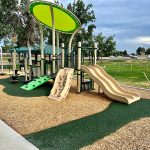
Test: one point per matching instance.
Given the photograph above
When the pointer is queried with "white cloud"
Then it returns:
(143, 40)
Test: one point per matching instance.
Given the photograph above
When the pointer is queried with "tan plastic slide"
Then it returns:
(110, 86)
(62, 84)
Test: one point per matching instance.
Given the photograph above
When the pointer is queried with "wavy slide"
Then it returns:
(109, 85)
(62, 84)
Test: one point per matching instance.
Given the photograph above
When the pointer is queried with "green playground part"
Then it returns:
(35, 83)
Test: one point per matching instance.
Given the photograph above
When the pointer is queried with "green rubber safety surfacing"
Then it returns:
(35, 83)
(82, 132)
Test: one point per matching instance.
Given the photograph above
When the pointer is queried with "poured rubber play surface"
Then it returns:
(35, 83)
(85, 131)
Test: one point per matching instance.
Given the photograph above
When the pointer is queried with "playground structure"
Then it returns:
(53, 16)
(106, 83)
(22, 53)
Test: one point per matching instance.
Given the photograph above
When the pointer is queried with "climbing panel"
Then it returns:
(62, 84)
(35, 83)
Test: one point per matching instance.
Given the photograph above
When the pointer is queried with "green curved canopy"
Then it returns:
(24, 50)
(47, 49)
(65, 21)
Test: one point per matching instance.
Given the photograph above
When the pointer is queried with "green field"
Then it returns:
(128, 72)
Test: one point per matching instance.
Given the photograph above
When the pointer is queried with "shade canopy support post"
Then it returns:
(38, 66)
(79, 69)
(53, 41)
(95, 53)
(57, 37)
(14, 61)
(70, 45)
(30, 60)
(42, 49)
(63, 55)
(26, 67)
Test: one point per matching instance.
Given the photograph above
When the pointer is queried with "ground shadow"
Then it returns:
(79, 133)
(14, 89)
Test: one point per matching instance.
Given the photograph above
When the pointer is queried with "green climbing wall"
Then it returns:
(35, 83)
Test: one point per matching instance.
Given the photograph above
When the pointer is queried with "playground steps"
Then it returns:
(35, 83)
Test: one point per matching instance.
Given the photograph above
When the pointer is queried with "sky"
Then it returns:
(128, 20)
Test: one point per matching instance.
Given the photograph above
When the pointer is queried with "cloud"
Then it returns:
(143, 40)
(127, 20)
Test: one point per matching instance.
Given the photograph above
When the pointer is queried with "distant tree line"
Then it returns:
(143, 51)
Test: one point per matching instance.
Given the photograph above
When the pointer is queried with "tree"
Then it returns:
(110, 46)
(83, 12)
(119, 53)
(133, 54)
(106, 46)
(140, 51)
(122, 53)
(86, 17)
(148, 51)
(16, 20)
(7, 21)
(125, 53)
(100, 39)
(88, 39)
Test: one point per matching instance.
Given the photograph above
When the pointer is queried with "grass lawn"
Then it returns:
(128, 72)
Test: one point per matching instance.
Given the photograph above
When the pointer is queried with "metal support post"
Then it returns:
(79, 69)
(63, 55)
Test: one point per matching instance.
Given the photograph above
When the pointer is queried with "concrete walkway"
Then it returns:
(11, 140)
